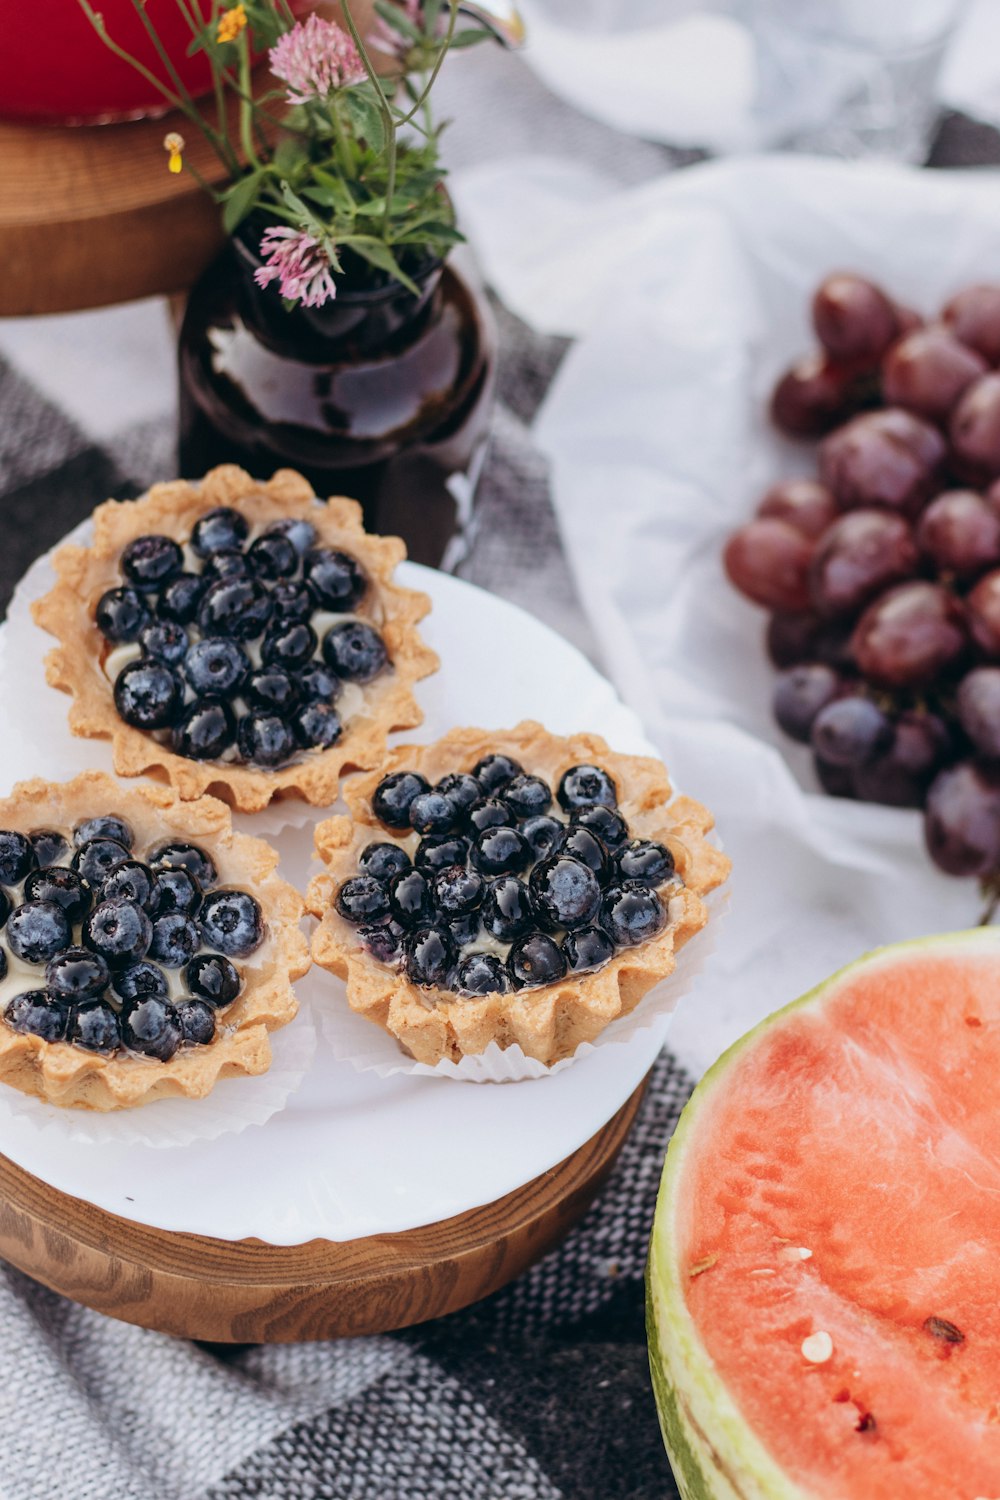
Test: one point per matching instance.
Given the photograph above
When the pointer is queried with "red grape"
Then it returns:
(768, 561)
(815, 395)
(927, 371)
(960, 534)
(792, 638)
(973, 315)
(978, 704)
(910, 636)
(974, 430)
(908, 320)
(859, 556)
(803, 503)
(854, 320)
(920, 746)
(962, 819)
(982, 607)
(850, 731)
(799, 695)
(888, 458)
(836, 781)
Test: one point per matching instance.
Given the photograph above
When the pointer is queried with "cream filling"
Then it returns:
(351, 703)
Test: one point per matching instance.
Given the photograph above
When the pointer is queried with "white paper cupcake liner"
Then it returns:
(355, 1040)
(233, 1104)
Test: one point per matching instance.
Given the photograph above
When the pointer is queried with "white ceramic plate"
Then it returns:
(352, 1154)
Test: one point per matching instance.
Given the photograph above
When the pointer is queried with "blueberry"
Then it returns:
(175, 941)
(217, 666)
(139, 980)
(151, 562)
(430, 812)
(132, 881)
(494, 772)
(36, 1013)
(121, 615)
(37, 931)
(174, 890)
(411, 900)
(507, 911)
(178, 856)
(94, 1025)
(165, 641)
(631, 914)
(63, 887)
(119, 931)
(288, 643)
(3, 964)
(232, 922)
(318, 684)
(604, 822)
(489, 813)
(587, 948)
(500, 851)
(94, 861)
(535, 960)
(544, 834)
(481, 974)
(363, 899)
(292, 601)
(300, 533)
(457, 891)
(383, 860)
(316, 726)
(224, 565)
(587, 786)
(462, 790)
(265, 739)
(234, 606)
(219, 530)
(148, 695)
(151, 1025)
(77, 974)
(106, 827)
(645, 861)
(271, 688)
(437, 851)
(205, 730)
(585, 846)
(393, 795)
(430, 954)
(464, 930)
(273, 556)
(213, 978)
(49, 845)
(17, 857)
(197, 1020)
(384, 943)
(355, 651)
(337, 579)
(5, 910)
(527, 796)
(180, 599)
(565, 892)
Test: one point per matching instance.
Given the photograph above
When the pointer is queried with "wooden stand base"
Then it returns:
(250, 1292)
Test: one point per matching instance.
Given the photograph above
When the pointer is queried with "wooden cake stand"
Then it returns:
(249, 1292)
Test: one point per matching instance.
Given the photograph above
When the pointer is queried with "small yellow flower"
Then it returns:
(231, 23)
(174, 143)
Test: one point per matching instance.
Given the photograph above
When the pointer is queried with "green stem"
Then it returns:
(442, 54)
(246, 102)
(347, 165)
(385, 110)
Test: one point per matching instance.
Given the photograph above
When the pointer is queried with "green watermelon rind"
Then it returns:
(714, 1453)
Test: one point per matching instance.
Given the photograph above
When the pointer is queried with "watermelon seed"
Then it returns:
(796, 1252)
(865, 1423)
(941, 1329)
(817, 1348)
(702, 1265)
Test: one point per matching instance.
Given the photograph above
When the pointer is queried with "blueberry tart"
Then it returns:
(241, 639)
(146, 950)
(508, 887)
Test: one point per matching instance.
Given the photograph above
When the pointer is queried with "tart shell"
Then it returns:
(551, 1022)
(75, 665)
(67, 1075)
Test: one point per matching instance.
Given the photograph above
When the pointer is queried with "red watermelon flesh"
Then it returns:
(863, 1126)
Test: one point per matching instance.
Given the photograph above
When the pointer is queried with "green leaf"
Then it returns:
(340, 196)
(239, 200)
(289, 156)
(397, 19)
(365, 116)
(377, 253)
(469, 38)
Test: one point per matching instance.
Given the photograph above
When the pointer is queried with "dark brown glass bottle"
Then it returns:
(379, 394)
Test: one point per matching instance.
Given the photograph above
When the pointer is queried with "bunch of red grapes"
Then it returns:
(883, 574)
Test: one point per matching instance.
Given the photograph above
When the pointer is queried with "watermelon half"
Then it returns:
(824, 1276)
